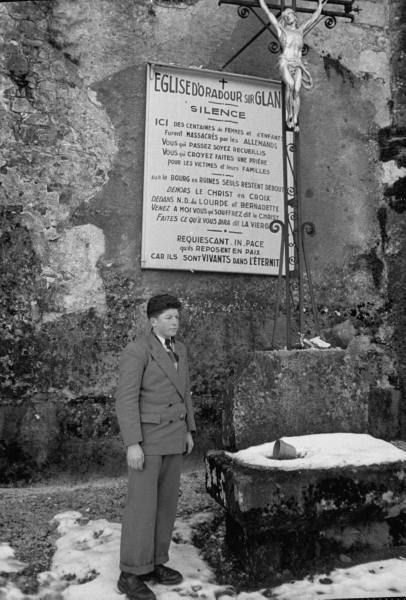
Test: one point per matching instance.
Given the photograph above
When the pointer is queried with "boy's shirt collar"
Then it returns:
(162, 340)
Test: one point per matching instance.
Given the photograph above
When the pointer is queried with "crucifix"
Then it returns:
(294, 73)
(289, 36)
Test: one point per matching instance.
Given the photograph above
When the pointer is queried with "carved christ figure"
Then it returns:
(294, 72)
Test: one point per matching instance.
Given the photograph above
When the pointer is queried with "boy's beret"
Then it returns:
(158, 304)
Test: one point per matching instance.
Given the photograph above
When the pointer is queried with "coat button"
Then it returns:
(171, 421)
(181, 417)
(169, 405)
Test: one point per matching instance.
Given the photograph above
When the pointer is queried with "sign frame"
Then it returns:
(218, 249)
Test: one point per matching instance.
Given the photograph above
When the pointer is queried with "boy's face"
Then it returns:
(167, 323)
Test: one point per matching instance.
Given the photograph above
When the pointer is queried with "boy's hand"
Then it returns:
(135, 457)
(189, 442)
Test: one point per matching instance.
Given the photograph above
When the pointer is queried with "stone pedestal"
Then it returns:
(280, 518)
(299, 392)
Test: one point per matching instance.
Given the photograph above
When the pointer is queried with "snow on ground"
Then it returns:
(323, 451)
(85, 567)
(375, 579)
(8, 563)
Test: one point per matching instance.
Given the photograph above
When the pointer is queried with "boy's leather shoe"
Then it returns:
(165, 575)
(134, 588)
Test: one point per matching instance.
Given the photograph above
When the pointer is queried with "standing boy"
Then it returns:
(155, 415)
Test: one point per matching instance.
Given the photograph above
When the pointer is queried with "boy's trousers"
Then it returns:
(150, 512)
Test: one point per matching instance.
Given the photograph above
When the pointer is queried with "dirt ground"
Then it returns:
(26, 514)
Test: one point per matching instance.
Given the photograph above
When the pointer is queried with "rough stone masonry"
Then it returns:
(72, 112)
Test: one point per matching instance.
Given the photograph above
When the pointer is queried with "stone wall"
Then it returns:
(72, 105)
(392, 141)
(298, 392)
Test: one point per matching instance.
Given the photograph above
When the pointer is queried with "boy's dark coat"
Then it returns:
(153, 401)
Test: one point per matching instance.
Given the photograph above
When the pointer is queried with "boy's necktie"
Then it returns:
(173, 356)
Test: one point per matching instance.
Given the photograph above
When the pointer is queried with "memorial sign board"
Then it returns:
(213, 179)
